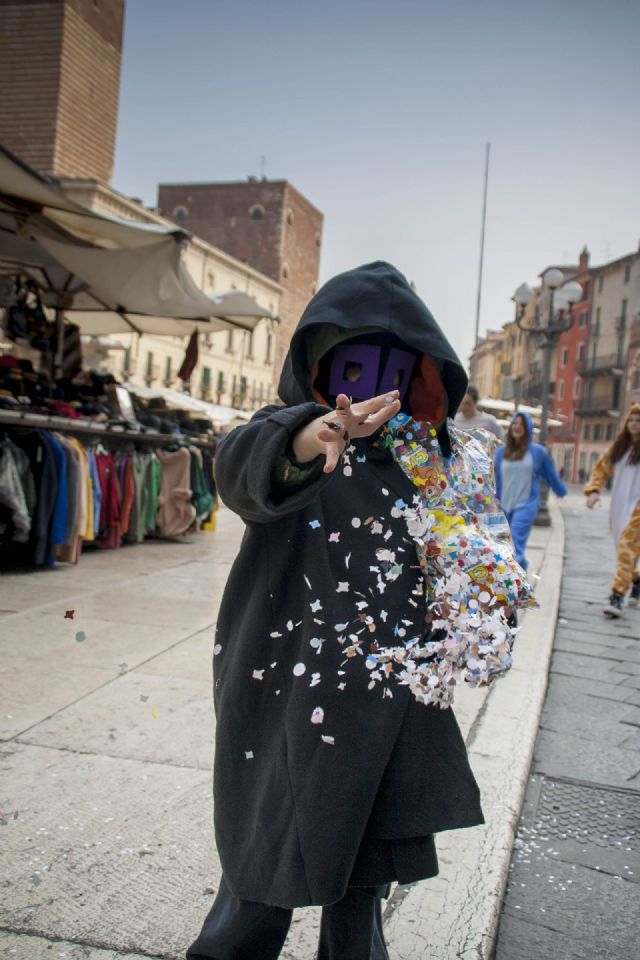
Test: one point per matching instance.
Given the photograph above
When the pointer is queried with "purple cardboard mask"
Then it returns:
(399, 367)
(354, 370)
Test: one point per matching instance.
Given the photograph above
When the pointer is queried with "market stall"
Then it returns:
(79, 465)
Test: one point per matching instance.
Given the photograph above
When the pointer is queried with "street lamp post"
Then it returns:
(548, 335)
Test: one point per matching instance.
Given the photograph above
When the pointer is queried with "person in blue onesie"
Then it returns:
(520, 466)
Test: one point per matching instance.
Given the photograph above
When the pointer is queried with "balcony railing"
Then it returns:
(611, 364)
(600, 403)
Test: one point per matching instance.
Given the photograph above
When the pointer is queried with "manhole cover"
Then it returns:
(604, 817)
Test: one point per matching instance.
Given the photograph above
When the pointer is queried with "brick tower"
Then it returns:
(59, 84)
(267, 224)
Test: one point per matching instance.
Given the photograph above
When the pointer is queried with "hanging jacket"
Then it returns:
(17, 493)
(176, 513)
(309, 761)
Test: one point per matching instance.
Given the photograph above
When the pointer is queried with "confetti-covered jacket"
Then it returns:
(309, 760)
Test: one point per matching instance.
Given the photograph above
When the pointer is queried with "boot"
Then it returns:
(614, 608)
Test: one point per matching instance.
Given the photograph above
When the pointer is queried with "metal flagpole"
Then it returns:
(484, 217)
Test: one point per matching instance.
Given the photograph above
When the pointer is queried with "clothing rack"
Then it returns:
(38, 421)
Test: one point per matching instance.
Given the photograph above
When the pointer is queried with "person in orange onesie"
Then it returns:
(622, 462)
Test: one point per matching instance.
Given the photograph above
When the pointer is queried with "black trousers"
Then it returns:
(350, 929)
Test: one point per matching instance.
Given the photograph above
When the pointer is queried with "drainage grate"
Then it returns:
(588, 815)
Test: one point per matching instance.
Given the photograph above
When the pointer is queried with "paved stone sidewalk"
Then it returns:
(573, 891)
(107, 726)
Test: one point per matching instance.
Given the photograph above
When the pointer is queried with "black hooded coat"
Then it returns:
(311, 763)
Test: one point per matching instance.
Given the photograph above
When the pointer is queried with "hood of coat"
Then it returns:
(528, 423)
(375, 299)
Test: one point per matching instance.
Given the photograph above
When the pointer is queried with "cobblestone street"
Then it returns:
(573, 886)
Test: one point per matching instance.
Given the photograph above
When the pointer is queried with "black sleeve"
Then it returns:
(250, 457)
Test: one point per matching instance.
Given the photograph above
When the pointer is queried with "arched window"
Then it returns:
(256, 212)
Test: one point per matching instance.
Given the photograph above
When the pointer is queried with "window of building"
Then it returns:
(250, 344)
(318, 241)
(581, 350)
(205, 383)
(597, 431)
(582, 318)
(627, 273)
(167, 372)
(234, 391)
(611, 431)
(149, 368)
(285, 270)
(256, 212)
(243, 388)
(229, 347)
(576, 388)
(585, 289)
(600, 283)
(269, 347)
(587, 431)
(220, 386)
(560, 389)
(126, 361)
(211, 280)
(180, 214)
(635, 379)
(289, 217)
(565, 356)
(623, 314)
(596, 326)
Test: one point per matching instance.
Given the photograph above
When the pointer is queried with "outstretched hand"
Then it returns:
(331, 434)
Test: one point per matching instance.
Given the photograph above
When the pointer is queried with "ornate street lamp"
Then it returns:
(548, 336)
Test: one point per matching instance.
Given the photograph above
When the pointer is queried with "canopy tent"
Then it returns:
(508, 406)
(183, 401)
(107, 275)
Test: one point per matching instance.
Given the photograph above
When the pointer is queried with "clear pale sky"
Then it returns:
(379, 112)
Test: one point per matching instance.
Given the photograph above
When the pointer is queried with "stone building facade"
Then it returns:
(267, 224)
(60, 83)
(616, 303)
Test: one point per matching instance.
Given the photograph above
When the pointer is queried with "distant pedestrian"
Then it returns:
(520, 466)
(470, 417)
(621, 463)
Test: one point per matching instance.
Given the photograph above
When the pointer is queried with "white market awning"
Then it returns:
(86, 263)
(183, 401)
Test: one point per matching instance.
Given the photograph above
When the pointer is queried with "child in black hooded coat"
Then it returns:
(326, 792)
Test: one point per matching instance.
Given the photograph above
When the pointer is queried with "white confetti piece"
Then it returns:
(356, 522)
(315, 679)
(248, 754)
(327, 739)
(217, 649)
(343, 586)
(318, 715)
(258, 674)
(299, 669)
(315, 606)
